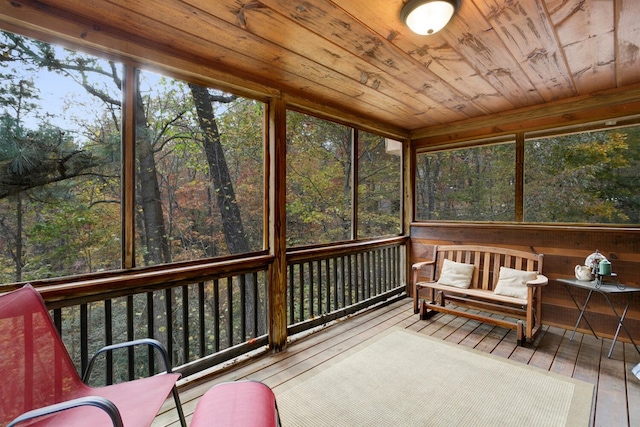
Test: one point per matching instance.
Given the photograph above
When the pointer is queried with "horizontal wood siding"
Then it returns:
(563, 249)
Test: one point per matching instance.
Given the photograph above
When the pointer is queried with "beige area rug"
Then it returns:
(403, 378)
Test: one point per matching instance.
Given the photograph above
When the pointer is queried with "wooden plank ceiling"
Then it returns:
(495, 56)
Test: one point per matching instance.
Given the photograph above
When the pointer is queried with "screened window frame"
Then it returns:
(354, 178)
(520, 139)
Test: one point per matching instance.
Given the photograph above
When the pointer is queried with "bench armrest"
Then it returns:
(541, 280)
(418, 265)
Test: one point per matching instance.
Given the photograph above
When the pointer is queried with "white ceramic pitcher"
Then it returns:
(583, 272)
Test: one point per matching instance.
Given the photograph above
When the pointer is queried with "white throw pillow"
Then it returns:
(456, 274)
(513, 283)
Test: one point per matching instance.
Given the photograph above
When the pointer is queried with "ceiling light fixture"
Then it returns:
(426, 17)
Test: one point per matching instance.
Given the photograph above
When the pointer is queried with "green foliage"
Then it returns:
(473, 184)
(59, 196)
(586, 177)
(68, 225)
(242, 136)
(379, 188)
(63, 208)
(318, 180)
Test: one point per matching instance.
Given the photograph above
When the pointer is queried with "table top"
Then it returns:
(605, 287)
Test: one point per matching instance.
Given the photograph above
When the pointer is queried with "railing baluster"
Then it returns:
(353, 278)
(57, 320)
(362, 272)
(216, 314)
(311, 290)
(302, 294)
(230, 312)
(320, 286)
(185, 324)
(150, 331)
(202, 330)
(327, 269)
(108, 337)
(84, 337)
(379, 270)
(385, 256)
(372, 273)
(168, 304)
(336, 305)
(392, 268)
(367, 273)
(243, 307)
(131, 367)
(57, 362)
(256, 305)
(342, 283)
(349, 280)
(291, 294)
(358, 268)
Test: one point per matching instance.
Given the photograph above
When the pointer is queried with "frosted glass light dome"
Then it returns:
(427, 17)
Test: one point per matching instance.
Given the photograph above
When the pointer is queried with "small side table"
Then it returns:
(604, 289)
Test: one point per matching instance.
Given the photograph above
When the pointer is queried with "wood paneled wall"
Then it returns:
(563, 248)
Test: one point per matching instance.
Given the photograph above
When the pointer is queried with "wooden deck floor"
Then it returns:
(617, 400)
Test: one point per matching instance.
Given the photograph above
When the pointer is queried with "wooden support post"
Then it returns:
(276, 208)
(128, 137)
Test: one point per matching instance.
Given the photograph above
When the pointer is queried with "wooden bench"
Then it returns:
(512, 311)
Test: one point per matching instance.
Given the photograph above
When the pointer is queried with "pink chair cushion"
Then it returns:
(241, 403)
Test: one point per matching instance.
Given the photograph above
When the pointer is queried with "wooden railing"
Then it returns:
(327, 283)
(204, 313)
(207, 313)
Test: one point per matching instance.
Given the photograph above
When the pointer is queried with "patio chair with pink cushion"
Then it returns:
(41, 386)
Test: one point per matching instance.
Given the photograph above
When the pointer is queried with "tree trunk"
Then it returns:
(219, 173)
(158, 251)
(223, 188)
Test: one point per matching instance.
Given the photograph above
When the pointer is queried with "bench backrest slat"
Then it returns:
(487, 260)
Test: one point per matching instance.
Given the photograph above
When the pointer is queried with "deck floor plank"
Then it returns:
(632, 358)
(564, 361)
(611, 402)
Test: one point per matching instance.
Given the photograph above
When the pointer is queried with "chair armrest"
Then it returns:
(419, 265)
(97, 401)
(144, 341)
(538, 281)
